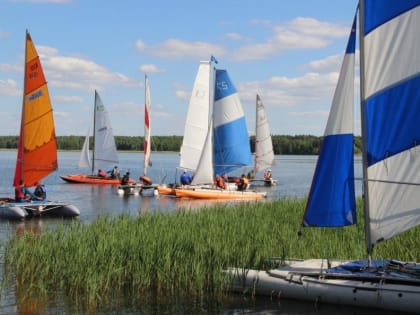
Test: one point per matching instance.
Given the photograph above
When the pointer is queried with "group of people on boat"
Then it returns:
(23, 194)
(112, 174)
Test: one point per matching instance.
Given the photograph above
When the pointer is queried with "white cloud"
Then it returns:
(300, 33)
(9, 87)
(177, 48)
(77, 72)
(149, 68)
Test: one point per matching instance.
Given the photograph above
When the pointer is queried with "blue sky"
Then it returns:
(287, 51)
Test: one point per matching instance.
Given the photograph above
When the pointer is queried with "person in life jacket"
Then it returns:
(243, 183)
(101, 173)
(219, 182)
(125, 179)
(40, 192)
(22, 194)
(145, 180)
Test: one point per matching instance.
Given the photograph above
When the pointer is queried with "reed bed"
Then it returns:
(180, 253)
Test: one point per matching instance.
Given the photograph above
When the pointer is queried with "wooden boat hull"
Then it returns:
(202, 193)
(91, 179)
(22, 210)
(305, 280)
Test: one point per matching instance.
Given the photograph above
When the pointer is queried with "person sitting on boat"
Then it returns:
(101, 173)
(125, 179)
(268, 175)
(251, 174)
(22, 194)
(186, 178)
(220, 182)
(114, 173)
(243, 183)
(40, 192)
(145, 180)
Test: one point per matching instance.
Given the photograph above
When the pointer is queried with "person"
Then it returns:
(40, 192)
(267, 175)
(125, 179)
(243, 183)
(186, 178)
(145, 180)
(251, 174)
(115, 172)
(101, 173)
(220, 182)
(22, 194)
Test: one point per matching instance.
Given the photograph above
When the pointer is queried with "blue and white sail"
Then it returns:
(331, 202)
(230, 135)
(390, 109)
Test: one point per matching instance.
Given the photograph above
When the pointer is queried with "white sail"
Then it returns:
(390, 78)
(84, 160)
(197, 122)
(264, 154)
(204, 173)
(105, 150)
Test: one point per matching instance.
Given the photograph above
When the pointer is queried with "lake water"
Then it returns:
(294, 175)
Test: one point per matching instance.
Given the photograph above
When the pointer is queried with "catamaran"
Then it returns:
(37, 146)
(390, 112)
(264, 153)
(226, 144)
(145, 181)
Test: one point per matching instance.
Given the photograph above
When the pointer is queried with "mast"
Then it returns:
(365, 182)
(22, 130)
(256, 128)
(94, 132)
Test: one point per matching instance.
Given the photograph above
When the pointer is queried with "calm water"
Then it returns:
(294, 175)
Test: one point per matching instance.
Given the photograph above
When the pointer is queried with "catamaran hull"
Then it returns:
(91, 179)
(137, 189)
(202, 193)
(22, 210)
(304, 281)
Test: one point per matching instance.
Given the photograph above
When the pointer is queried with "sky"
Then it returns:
(288, 52)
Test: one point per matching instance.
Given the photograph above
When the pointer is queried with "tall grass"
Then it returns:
(181, 253)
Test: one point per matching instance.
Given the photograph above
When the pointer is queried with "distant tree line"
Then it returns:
(282, 144)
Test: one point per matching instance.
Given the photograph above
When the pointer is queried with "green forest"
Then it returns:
(282, 144)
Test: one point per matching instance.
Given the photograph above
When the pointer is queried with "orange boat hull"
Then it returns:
(167, 191)
(218, 194)
(92, 179)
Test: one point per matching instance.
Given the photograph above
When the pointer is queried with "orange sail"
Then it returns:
(37, 146)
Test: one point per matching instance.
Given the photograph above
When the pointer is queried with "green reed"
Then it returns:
(180, 253)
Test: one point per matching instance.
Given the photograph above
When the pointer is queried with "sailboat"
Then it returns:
(104, 150)
(145, 181)
(264, 154)
(390, 112)
(37, 146)
(196, 125)
(226, 146)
